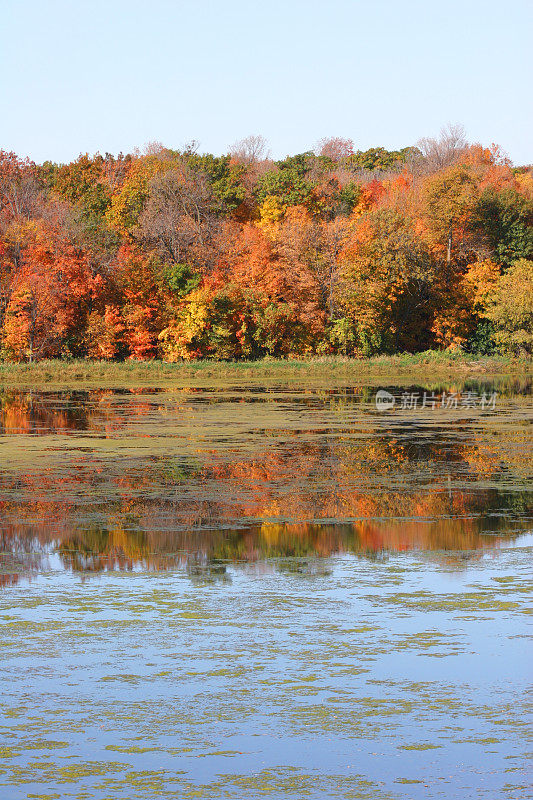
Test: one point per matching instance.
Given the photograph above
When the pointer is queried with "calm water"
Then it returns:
(263, 592)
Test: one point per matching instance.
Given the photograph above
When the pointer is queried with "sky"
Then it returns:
(92, 76)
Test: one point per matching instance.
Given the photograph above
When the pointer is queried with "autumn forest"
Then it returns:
(174, 254)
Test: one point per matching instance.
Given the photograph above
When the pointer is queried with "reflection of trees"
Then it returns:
(98, 550)
(380, 482)
(206, 554)
(23, 411)
(20, 555)
(384, 476)
(29, 412)
(60, 412)
(226, 496)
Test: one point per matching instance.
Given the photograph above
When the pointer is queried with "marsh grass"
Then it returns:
(74, 373)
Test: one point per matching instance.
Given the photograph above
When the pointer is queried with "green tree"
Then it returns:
(506, 217)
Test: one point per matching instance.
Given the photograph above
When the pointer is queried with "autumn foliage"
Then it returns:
(176, 255)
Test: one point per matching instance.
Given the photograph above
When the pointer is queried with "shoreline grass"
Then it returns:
(322, 369)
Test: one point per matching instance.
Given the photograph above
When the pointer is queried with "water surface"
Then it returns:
(265, 593)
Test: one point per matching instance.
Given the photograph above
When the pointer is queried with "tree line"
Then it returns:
(176, 254)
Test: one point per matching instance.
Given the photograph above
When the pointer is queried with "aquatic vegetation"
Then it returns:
(323, 371)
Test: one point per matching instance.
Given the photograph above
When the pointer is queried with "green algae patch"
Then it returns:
(422, 746)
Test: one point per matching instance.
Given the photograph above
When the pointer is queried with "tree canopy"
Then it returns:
(178, 255)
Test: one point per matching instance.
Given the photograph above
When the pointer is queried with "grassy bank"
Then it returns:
(330, 369)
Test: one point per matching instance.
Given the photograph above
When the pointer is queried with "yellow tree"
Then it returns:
(510, 308)
(386, 282)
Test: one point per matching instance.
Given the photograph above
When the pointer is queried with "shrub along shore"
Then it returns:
(404, 368)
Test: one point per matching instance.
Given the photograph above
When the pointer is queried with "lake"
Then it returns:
(252, 591)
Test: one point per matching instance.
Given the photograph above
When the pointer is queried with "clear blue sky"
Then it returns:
(88, 75)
